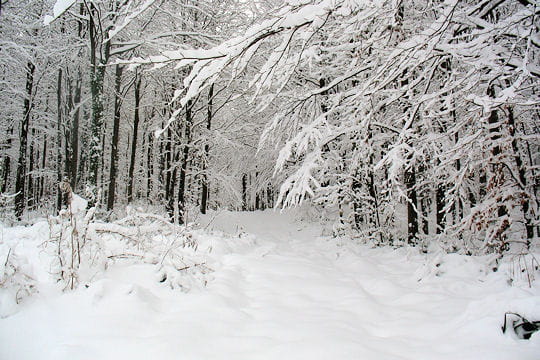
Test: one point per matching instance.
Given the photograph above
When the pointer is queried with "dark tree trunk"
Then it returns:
(457, 207)
(270, 196)
(439, 208)
(410, 174)
(43, 163)
(31, 155)
(59, 195)
(257, 201)
(172, 183)
(74, 147)
(168, 162)
(73, 159)
(20, 197)
(355, 189)
(244, 192)
(134, 138)
(424, 203)
(6, 163)
(149, 165)
(204, 181)
(495, 130)
(183, 166)
(95, 155)
(412, 203)
(529, 227)
(372, 188)
(425, 214)
(115, 136)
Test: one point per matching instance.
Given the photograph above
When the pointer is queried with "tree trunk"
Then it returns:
(20, 197)
(495, 130)
(529, 228)
(115, 136)
(96, 90)
(439, 208)
(74, 148)
(424, 203)
(244, 192)
(72, 171)
(412, 203)
(270, 196)
(535, 183)
(59, 195)
(356, 187)
(204, 191)
(134, 138)
(6, 163)
(43, 163)
(457, 207)
(172, 184)
(149, 165)
(31, 155)
(425, 213)
(168, 161)
(183, 168)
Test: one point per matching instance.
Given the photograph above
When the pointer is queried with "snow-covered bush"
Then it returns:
(151, 239)
(68, 237)
(84, 247)
(180, 266)
(16, 280)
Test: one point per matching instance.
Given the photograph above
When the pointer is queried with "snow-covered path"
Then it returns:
(285, 293)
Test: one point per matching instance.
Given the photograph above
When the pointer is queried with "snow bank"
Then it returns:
(275, 289)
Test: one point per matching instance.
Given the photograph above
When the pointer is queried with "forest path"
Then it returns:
(283, 292)
(306, 296)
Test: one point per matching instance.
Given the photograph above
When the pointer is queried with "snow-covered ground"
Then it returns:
(278, 290)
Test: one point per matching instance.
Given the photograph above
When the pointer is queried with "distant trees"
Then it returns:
(410, 118)
(389, 106)
(73, 112)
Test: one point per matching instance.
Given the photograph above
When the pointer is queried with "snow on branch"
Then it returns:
(234, 54)
(129, 18)
(60, 7)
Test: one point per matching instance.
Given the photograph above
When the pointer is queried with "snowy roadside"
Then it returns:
(272, 288)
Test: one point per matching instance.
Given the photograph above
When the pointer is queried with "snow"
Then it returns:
(129, 18)
(60, 7)
(278, 289)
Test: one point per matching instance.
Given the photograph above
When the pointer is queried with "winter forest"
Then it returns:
(322, 179)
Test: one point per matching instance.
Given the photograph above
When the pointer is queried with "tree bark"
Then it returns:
(167, 171)
(59, 195)
(204, 191)
(439, 208)
(96, 89)
(43, 163)
(183, 166)
(115, 136)
(134, 138)
(149, 166)
(74, 147)
(529, 227)
(6, 163)
(244, 192)
(31, 157)
(412, 203)
(20, 197)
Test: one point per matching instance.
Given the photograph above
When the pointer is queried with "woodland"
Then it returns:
(269, 179)
(405, 122)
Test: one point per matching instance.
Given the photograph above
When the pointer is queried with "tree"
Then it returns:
(392, 94)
